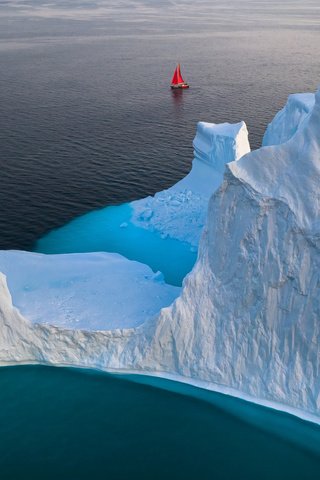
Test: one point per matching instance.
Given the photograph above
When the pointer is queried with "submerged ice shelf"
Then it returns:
(111, 230)
(161, 231)
(247, 320)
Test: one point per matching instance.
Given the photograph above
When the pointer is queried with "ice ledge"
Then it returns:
(93, 291)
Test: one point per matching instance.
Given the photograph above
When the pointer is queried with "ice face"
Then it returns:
(161, 231)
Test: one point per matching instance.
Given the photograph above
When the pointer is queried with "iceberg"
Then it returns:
(161, 231)
(247, 320)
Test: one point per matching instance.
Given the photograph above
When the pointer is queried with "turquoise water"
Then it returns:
(104, 230)
(71, 424)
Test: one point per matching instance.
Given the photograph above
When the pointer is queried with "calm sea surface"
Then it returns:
(87, 116)
(58, 423)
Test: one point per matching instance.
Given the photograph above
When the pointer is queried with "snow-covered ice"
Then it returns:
(94, 291)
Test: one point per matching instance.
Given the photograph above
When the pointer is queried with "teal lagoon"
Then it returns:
(110, 230)
(62, 423)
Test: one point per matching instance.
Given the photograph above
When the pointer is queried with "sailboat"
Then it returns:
(177, 80)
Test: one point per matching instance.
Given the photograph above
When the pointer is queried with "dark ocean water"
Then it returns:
(87, 118)
(68, 424)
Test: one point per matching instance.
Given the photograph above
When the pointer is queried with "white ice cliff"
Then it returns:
(248, 319)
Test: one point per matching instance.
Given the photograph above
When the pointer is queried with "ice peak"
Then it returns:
(289, 172)
(218, 144)
(289, 119)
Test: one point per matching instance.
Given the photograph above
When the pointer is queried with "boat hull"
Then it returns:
(180, 85)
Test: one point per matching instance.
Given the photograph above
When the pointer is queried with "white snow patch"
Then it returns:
(93, 291)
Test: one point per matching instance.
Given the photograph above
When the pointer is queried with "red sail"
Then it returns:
(177, 77)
